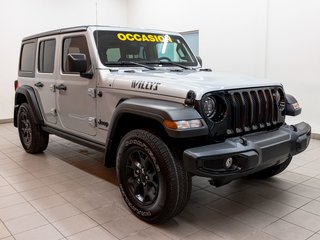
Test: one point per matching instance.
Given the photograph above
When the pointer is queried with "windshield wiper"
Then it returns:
(130, 63)
(170, 63)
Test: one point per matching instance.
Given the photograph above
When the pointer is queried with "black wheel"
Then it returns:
(153, 183)
(32, 137)
(271, 171)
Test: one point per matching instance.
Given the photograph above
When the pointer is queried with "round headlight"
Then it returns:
(209, 106)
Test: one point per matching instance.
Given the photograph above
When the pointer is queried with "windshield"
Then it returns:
(124, 48)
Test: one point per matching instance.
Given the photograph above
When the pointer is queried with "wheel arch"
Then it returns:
(148, 114)
(26, 94)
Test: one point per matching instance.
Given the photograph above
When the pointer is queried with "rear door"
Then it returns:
(76, 103)
(45, 77)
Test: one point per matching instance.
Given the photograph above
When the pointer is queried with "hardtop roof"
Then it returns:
(96, 27)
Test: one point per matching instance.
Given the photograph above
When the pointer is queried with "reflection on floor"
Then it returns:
(67, 193)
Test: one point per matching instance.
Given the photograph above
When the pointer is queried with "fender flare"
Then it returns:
(31, 99)
(158, 110)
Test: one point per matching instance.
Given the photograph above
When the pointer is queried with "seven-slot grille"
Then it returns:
(252, 109)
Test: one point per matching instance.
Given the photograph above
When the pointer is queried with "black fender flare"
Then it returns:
(158, 110)
(28, 93)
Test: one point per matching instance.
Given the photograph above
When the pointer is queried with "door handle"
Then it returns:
(61, 87)
(39, 84)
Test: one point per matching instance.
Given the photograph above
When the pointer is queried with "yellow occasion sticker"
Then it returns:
(140, 37)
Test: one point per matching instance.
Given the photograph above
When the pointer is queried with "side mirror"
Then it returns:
(77, 62)
(292, 106)
(199, 60)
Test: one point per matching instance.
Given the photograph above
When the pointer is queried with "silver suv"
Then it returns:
(142, 97)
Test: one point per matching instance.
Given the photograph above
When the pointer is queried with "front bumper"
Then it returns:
(249, 153)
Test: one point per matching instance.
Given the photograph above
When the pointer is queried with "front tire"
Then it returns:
(32, 137)
(152, 182)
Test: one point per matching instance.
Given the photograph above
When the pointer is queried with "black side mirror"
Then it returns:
(199, 60)
(292, 106)
(77, 62)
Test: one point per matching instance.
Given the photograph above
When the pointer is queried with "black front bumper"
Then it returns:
(249, 153)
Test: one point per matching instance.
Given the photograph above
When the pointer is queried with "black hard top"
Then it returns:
(57, 31)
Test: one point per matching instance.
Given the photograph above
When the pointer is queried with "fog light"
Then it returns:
(229, 162)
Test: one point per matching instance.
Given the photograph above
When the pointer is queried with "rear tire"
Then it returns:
(32, 137)
(271, 171)
(152, 182)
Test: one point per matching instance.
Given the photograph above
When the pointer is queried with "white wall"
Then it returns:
(19, 18)
(294, 53)
(266, 38)
(276, 39)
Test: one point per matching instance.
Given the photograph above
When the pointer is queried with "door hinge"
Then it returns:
(53, 111)
(92, 92)
(92, 121)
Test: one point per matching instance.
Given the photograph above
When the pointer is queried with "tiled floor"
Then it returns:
(66, 193)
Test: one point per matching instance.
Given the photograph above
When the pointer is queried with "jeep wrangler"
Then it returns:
(143, 98)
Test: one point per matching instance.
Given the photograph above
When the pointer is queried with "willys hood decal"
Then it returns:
(177, 84)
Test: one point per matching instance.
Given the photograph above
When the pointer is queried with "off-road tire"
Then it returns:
(143, 155)
(32, 137)
(272, 171)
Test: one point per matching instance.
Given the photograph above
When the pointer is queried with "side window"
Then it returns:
(46, 56)
(74, 45)
(27, 59)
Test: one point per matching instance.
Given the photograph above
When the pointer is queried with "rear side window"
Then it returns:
(27, 59)
(76, 44)
(46, 56)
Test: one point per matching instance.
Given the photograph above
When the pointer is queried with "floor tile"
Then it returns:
(37, 193)
(75, 224)
(124, 226)
(255, 218)
(304, 219)
(305, 191)
(149, 233)
(312, 207)
(107, 213)
(25, 223)
(16, 211)
(203, 197)
(4, 231)
(227, 207)
(96, 233)
(60, 212)
(48, 202)
(315, 237)
(6, 190)
(293, 177)
(10, 200)
(274, 208)
(203, 235)
(28, 185)
(46, 232)
(287, 231)
(20, 178)
(228, 228)
(291, 199)
(78, 204)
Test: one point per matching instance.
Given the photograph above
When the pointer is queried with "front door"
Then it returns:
(75, 106)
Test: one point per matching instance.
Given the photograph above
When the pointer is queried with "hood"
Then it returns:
(177, 84)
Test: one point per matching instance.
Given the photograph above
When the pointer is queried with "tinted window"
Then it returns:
(74, 45)
(147, 48)
(27, 57)
(46, 56)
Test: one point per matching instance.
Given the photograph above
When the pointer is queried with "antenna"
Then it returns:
(97, 13)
